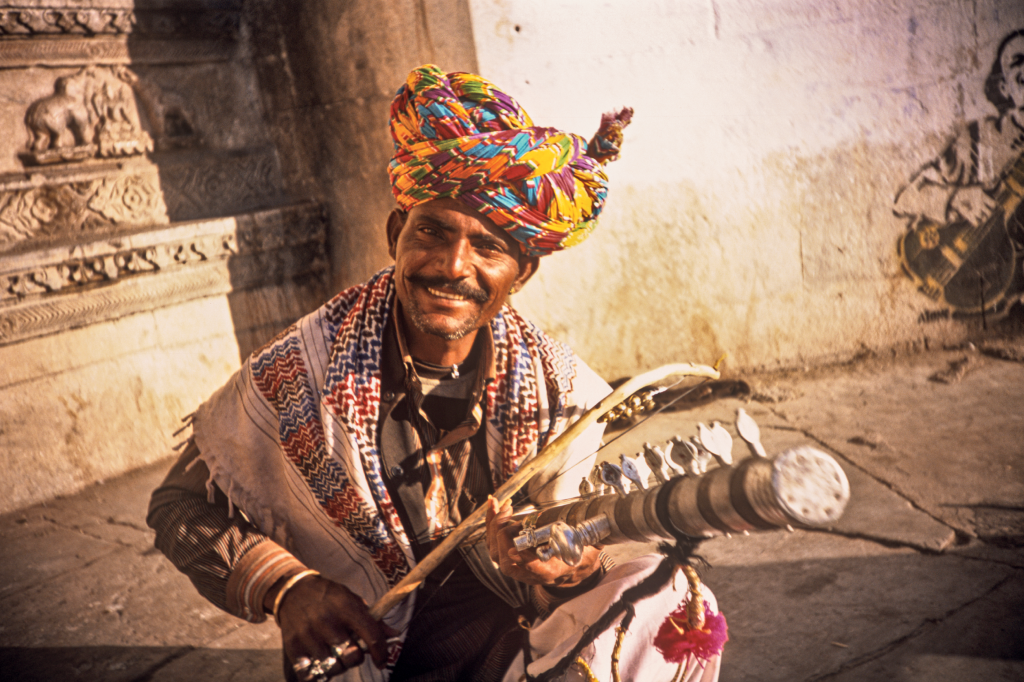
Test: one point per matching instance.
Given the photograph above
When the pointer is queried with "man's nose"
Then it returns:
(456, 259)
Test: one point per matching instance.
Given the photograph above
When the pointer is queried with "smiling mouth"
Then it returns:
(447, 295)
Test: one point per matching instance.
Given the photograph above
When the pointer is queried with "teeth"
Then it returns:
(444, 294)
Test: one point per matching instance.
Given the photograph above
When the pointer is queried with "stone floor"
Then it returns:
(921, 580)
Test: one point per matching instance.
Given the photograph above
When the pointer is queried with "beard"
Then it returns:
(447, 332)
(454, 329)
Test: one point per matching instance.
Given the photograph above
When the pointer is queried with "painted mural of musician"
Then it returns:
(361, 435)
(965, 241)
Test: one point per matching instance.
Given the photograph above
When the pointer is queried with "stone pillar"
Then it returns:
(329, 70)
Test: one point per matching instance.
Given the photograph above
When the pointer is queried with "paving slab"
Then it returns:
(955, 450)
(248, 654)
(980, 641)
(803, 605)
(85, 595)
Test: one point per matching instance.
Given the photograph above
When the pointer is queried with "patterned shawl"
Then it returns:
(292, 437)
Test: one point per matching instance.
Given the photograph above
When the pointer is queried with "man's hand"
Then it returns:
(527, 567)
(972, 204)
(317, 615)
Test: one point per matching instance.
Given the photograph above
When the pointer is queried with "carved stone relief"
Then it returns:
(19, 21)
(184, 21)
(95, 168)
(81, 35)
(91, 202)
(49, 291)
(91, 113)
(197, 185)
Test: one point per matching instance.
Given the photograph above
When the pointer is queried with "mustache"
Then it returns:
(458, 287)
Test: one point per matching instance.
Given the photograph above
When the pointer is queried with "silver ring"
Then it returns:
(321, 667)
(301, 664)
(363, 646)
(339, 649)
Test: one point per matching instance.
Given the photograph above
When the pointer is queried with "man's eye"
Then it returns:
(491, 245)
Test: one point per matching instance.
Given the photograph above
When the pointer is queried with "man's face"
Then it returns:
(453, 267)
(1012, 63)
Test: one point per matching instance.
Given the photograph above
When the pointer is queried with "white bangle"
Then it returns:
(289, 584)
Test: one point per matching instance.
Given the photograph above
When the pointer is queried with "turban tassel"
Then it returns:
(457, 135)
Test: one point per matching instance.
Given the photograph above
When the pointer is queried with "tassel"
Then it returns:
(692, 629)
(607, 141)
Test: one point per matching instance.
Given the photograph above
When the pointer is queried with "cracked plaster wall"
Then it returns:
(751, 211)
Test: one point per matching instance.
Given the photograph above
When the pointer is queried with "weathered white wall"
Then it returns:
(751, 212)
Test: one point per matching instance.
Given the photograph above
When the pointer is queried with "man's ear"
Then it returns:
(528, 265)
(396, 221)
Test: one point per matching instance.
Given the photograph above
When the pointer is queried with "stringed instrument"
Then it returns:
(664, 498)
(968, 267)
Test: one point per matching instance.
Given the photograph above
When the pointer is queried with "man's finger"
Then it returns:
(492, 540)
(368, 638)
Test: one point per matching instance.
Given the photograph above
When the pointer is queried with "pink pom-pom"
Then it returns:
(676, 639)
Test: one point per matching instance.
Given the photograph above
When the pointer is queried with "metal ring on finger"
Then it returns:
(301, 664)
(363, 646)
(339, 649)
(319, 668)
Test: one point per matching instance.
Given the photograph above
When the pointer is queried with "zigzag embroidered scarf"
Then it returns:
(292, 438)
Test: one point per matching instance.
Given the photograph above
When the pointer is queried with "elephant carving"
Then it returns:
(91, 113)
(66, 112)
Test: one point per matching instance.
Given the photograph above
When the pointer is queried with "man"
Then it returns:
(961, 185)
(361, 435)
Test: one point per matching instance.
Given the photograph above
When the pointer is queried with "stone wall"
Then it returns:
(148, 237)
(181, 178)
(752, 212)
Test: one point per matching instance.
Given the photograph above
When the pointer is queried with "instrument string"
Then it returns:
(642, 421)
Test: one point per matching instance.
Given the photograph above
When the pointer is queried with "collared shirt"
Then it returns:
(425, 407)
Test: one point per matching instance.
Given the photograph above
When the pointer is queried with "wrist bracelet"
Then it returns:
(289, 584)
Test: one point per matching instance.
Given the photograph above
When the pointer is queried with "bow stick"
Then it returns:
(509, 488)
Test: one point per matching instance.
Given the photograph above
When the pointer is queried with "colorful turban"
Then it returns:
(457, 135)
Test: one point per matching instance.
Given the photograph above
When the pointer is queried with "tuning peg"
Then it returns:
(656, 460)
(703, 457)
(586, 487)
(750, 433)
(612, 475)
(674, 469)
(687, 454)
(717, 441)
(631, 471)
(723, 439)
(596, 480)
(672, 463)
(643, 467)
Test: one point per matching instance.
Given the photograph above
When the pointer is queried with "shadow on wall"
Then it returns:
(965, 219)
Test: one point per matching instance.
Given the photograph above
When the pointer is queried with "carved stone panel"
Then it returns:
(204, 184)
(91, 113)
(79, 32)
(51, 290)
(31, 21)
(185, 19)
(62, 205)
